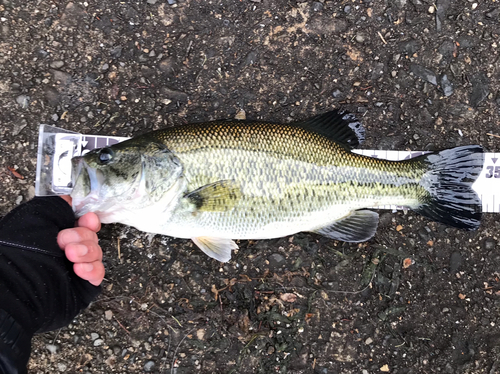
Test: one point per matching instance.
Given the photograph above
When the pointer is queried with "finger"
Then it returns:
(66, 198)
(90, 221)
(90, 271)
(75, 235)
(87, 251)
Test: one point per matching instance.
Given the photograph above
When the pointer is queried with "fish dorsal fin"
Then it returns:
(220, 196)
(217, 248)
(359, 226)
(337, 125)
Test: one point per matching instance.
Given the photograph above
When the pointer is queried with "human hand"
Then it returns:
(81, 247)
(33, 267)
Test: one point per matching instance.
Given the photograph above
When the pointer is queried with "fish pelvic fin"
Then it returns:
(337, 125)
(220, 196)
(217, 248)
(359, 226)
(449, 196)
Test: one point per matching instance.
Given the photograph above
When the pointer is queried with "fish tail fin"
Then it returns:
(449, 196)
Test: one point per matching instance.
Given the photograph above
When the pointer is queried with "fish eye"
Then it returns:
(105, 155)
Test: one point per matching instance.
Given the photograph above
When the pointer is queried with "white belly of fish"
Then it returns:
(230, 226)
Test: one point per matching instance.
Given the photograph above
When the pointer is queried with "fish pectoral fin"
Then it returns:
(359, 226)
(217, 248)
(220, 196)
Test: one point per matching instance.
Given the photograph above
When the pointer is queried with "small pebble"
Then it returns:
(94, 336)
(336, 93)
(423, 73)
(455, 262)
(62, 367)
(446, 85)
(98, 342)
(360, 38)
(23, 101)
(276, 260)
(19, 199)
(489, 244)
(108, 314)
(480, 88)
(148, 366)
(52, 348)
(317, 6)
(57, 64)
(368, 341)
(105, 67)
(55, 117)
(31, 192)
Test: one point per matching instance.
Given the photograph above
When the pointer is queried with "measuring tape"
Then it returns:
(67, 146)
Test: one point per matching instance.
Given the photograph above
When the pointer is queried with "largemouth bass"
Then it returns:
(218, 181)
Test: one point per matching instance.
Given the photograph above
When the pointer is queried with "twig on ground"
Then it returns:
(177, 348)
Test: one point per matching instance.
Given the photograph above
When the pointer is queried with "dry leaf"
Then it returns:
(354, 54)
(399, 228)
(215, 292)
(230, 282)
(245, 278)
(461, 296)
(407, 262)
(200, 334)
(293, 312)
(309, 316)
(385, 368)
(15, 173)
(288, 297)
(241, 115)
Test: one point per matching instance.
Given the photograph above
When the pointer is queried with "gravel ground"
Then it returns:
(421, 74)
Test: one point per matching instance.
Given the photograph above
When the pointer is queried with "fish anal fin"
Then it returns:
(220, 196)
(359, 226)
(337, 125)
(217, 248)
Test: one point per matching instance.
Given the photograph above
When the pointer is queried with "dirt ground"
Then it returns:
(421, 74)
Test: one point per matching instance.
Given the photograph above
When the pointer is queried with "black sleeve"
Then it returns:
(38, 289)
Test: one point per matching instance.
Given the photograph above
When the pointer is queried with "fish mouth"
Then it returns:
(87, 183)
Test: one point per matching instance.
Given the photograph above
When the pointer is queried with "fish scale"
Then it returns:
(217, 181)
(287, 175)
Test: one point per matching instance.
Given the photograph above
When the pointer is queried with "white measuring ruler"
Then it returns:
(487, 185)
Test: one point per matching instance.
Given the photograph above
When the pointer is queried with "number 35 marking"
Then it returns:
(491, 173)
